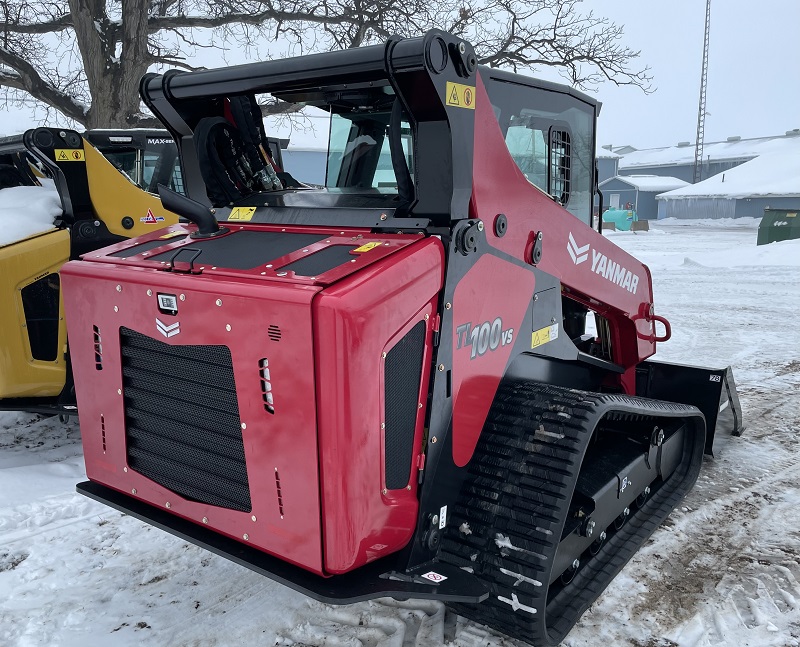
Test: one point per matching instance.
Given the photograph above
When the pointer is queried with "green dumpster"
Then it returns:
(779, 224)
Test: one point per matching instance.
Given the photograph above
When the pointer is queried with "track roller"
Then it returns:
(554, 472)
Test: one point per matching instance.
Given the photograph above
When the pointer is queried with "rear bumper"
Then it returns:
(376, 580)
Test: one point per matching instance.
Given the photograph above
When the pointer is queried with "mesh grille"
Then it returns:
(182, 420)
(402, 375)
(244, 250)
(40, 304)
(322, 261)
(560, 165)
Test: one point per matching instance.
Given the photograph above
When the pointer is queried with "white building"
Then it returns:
(770, 180)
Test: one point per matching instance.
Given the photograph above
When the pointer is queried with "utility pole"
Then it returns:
(701, 111)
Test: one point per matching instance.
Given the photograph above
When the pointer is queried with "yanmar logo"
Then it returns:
(603, 265)
(578, 254)
(168, 330)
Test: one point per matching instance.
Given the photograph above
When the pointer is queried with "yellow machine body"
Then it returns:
(33, 336)
(115, 197)
(30, 367)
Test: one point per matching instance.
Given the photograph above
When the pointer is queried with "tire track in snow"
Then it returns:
(32, 519)
(389, 623)
(728, 555)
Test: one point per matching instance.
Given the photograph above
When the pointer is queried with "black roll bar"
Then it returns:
(419, 70)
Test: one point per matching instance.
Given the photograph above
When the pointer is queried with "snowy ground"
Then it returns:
(724, 569)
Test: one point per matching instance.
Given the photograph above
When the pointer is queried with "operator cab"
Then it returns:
(548, 129)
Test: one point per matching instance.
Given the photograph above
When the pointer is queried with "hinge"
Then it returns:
(435, 325)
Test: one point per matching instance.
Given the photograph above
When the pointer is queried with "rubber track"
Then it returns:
(520, 484)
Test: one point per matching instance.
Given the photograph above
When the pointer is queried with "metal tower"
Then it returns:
(701, 111)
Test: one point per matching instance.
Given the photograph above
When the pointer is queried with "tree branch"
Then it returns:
(26, 77)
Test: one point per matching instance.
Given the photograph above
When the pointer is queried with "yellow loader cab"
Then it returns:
(61, 198)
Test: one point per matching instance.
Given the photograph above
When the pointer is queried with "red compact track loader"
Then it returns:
(386, 386)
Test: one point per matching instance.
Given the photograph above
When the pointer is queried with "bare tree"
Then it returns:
(84, 58)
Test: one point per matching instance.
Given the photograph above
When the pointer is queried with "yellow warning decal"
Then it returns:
(544, 335)
(366, 247)
(242, 213)
(172, 234)
(69, 155)
(792, 215)
(461, 96)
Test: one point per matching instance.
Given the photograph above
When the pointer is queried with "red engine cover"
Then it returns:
(315, 463)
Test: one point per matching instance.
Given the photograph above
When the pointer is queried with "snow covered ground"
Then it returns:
(724, 570)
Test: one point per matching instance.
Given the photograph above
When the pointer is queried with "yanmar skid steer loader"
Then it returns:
(386, 387)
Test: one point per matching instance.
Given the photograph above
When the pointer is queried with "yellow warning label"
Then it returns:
(366, 247)
(544, 335)
(792, 215)
(172, 234)
(461, 96)
(69, 155)
(242, 213)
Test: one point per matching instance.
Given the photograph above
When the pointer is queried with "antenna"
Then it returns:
(701, 111)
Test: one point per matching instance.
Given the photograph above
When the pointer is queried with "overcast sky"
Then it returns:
(754, 72)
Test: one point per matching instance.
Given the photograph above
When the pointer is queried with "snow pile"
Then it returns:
(612, 233)
(785, 253)
(775, 174)
(26, 211)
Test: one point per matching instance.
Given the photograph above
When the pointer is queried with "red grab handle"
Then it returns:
(667, 328)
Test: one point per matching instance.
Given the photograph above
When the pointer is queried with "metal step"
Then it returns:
(376, 580)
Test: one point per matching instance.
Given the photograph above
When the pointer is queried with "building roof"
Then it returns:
(649, 183)
(739, 149)
(772, 174)
(605, 154)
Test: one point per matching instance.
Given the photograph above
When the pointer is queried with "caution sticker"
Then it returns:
(242, 213)
(366, 247)
(460, 96)
(172, 234)
(544, 335)
(151, 218)
(69, 155)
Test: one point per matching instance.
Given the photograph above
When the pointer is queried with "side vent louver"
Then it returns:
(274, 333)
(98, 349)
(278, 490)
(402, 373)
(182, 424)
(103, 431)
(266, 385)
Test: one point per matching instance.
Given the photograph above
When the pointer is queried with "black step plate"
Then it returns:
(365, 583)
